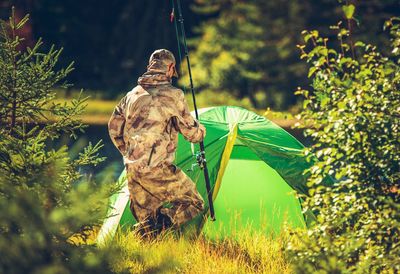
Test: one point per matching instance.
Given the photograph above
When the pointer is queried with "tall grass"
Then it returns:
(247, 253)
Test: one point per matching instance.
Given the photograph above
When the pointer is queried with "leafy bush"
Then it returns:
(352, 113)
(47, 204)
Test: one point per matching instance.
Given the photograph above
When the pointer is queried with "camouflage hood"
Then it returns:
(153, 78)
(159, 62)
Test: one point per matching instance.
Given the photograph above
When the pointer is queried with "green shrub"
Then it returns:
(352, 112)
(46, 203)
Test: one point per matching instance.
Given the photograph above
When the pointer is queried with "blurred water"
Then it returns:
(111, 167)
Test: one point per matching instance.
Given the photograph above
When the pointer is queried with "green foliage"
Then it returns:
(245, 51)
(26, 80)
(112, 40)
(247, 47)
(44, 197)
(352, 113)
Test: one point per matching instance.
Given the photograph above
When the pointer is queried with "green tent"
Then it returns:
(255, 168)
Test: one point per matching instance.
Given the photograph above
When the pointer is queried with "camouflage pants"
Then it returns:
(165, 189)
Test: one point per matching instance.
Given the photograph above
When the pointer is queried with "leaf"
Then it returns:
(306, 103)
(388, 70)
(342, 105)
(324, 101)
(348, 11)
(22, 22)
(359, 44)
(312, 71)
(315, 33)
(332, 51)
(357, 137)
(323, 51)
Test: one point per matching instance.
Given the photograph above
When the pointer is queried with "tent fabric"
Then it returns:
(245, 152)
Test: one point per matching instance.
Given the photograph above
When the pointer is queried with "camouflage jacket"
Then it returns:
(145, 124)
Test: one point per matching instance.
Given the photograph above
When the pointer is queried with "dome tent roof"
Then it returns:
(271, 143)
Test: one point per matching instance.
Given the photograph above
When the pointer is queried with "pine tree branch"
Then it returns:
(14, 73)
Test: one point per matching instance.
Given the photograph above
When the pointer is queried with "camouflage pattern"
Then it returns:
(144, 127)
(165, 187)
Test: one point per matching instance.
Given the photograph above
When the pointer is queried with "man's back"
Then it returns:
(152, 114)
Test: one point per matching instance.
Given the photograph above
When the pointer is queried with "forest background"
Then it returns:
(243, 52)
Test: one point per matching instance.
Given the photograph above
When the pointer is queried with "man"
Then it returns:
(144, 127)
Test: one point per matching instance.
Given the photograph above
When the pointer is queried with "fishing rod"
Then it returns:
(200, 157)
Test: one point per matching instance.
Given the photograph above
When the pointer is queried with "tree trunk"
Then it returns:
(250, 92)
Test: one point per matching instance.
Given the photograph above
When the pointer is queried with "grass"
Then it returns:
(246, 250)
(97, 111)
(248, 253)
